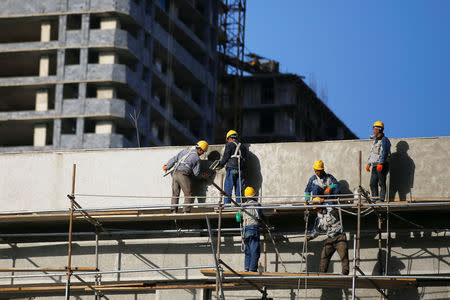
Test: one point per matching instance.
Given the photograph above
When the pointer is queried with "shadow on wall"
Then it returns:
(395, 266)
(344, 188)
(253, 176)
(200, 185)
(402, 169)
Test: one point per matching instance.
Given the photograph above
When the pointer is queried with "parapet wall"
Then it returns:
(41, 180)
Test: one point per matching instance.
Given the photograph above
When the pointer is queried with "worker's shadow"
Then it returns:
(395, 266)
(402, 169)
(199, 184)
(253, 176)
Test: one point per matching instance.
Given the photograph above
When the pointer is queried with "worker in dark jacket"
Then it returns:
(234, 157)
(378, 160)
(252, 218)
(183, 167)
(321, 183)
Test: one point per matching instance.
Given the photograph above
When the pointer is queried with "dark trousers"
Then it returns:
(181, 180)
(338, 243)
(232, 180)
(378, 179)
(252, 248)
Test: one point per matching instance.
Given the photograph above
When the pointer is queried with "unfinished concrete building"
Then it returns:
(283, 108)
(76, 73)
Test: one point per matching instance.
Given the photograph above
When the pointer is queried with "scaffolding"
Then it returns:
(215, 276)
(230, 48)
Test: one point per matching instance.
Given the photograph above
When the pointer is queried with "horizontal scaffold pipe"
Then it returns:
(116, 232)
(296, 205)
(424, 277)
(110, 272)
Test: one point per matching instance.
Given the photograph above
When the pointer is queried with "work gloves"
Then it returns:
(368, 168)
(327, 191)
(379, 167)
(165, 167)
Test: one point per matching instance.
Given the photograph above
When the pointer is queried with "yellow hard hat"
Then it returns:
(318, 165)
(231, 133)
(249, 192)
(378, 124)
(202, 145)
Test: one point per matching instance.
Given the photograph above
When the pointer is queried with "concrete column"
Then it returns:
(106, 92)
(109, 23)
(158, 64)
(45, 31)
(107, 58)
(41, 100)
(104, 127)
(40, 130)
(40, 134)
(170, 76)
(44, 65)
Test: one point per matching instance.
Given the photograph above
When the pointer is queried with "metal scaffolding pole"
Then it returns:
(219, 289)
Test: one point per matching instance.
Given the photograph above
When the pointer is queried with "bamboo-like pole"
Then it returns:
(69, 255)
(358, 229)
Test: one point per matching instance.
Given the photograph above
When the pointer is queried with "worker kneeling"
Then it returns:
(183, 167)
(252, 218)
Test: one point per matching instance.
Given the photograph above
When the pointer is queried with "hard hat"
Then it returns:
(202, 145)
(249, 192)
(232, 133)
(378, 124)
(318, 165)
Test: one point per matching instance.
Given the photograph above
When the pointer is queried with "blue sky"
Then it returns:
(378, 60)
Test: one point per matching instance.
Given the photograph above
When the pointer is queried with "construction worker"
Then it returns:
(379, 154)
(183, 166)
(234, 157)
(328, 221)
(251, 218)
(321, 183)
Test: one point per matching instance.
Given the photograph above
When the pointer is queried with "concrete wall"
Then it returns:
(36, 181)
(40, 180)
(408, 256)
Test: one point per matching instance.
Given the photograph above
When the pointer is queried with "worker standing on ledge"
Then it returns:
(321, 183)
(234, 157)
(328, 221)
(251, 217)
(379, 154)
(183, 166)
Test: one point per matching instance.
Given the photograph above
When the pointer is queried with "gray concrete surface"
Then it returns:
(40, 180)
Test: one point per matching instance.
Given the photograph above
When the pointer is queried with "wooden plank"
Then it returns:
(314, 280)
(86, 269)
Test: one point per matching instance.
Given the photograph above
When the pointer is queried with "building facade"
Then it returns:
(283, 108)
(105, 74)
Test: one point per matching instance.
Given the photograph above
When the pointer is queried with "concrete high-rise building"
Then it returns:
(281, 107)
(75, 73)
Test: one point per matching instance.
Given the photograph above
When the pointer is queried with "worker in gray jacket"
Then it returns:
(328, 221)
(183, 166)
(378, 160)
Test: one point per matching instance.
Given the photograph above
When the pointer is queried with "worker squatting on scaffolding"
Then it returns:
(183, 167)
(251, 218)
(320, 185)
(378, 159)
(234, 157)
